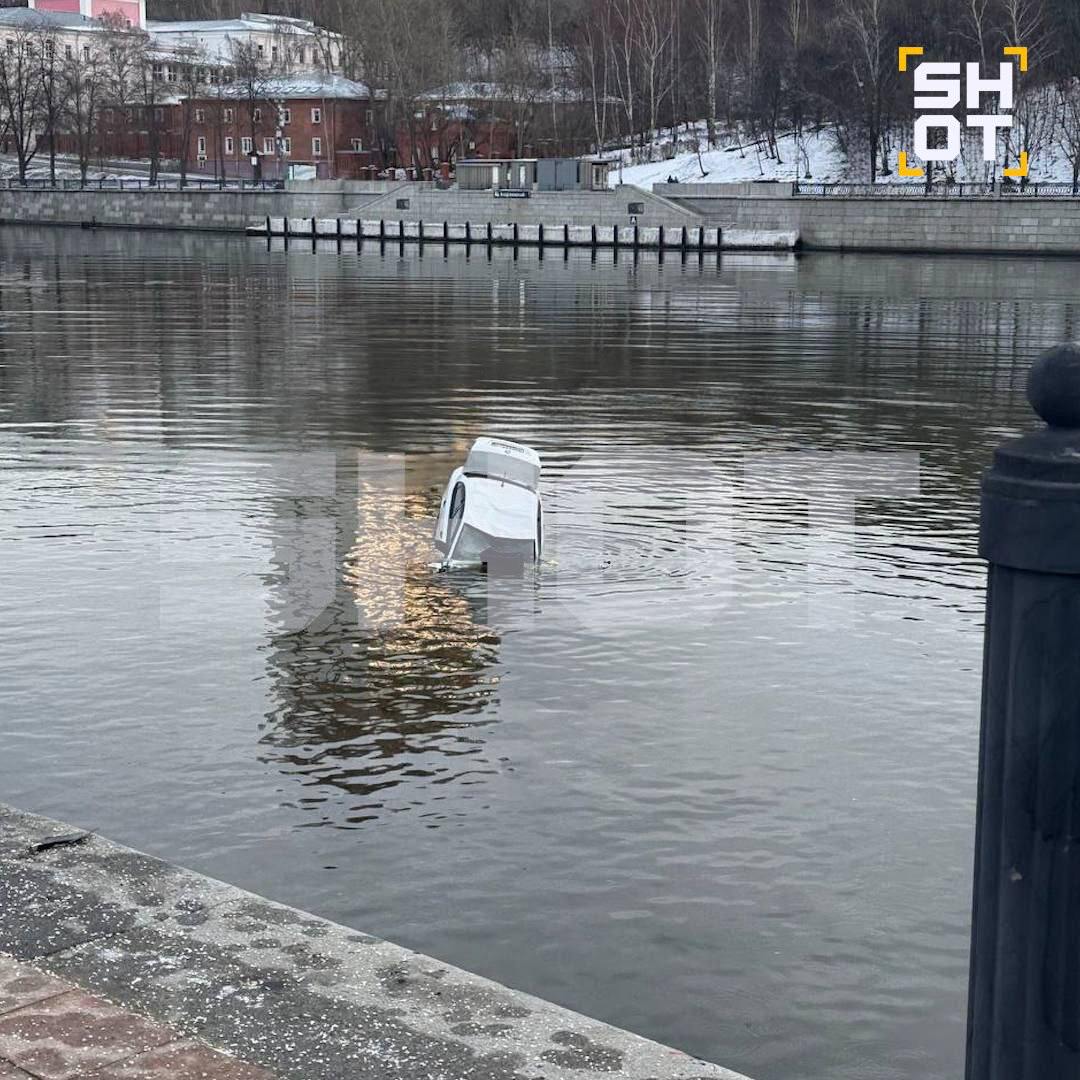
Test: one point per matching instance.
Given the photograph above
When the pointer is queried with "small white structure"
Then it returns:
(491, 508)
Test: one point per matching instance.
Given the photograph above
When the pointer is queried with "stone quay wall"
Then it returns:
(1008, 225)
(234, 211)
(203, 209)
(548, 208)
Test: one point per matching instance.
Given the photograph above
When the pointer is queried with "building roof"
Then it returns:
(314, 84)
(247, 22)
(499, 92)
(30, 18)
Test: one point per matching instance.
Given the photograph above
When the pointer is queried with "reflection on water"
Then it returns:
(707, 773)
(390, 685)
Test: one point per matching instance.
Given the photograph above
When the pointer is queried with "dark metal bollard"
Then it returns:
(1024, 992)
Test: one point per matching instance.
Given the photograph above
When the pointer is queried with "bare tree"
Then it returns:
(591, 49)
(655, 19)
(1068, 132)
(711, 42)
(49, 76)
(21, 98)
(82, 81)
(869, 56)
(123, 58)
(192, 63)
(411, 47)
(252, 78)
(519, 81)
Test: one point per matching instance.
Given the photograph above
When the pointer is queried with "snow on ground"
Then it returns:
(736, 161)
(815, 158)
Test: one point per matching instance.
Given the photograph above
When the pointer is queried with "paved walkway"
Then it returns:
(176, 961)
(51, 1030)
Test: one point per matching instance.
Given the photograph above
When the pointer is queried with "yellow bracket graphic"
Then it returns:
(1021, 170)
(917, 50)
(1013, 50)
(905, 170)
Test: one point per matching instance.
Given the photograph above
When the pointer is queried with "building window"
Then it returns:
(273, 54)
(67, 52)
(171, 73)
(268, 146)
(85, 52)
(302, 55)
(200, 116)
(262, 51)
(316, 116)
(286, 116)
(213, 76)
(316, 147)
(370, 116)
(230, 144)
(257, 115)
(245, 145)
(202, 147)
(157, 72)
(159, 116)
(228, 115)
(358, 145)
(286, 145)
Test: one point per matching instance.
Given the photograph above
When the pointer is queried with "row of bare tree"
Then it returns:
(642, 70)
(569, 75)
(111, 86)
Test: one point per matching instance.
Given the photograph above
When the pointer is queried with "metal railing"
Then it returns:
(138, 184)
(919, 190)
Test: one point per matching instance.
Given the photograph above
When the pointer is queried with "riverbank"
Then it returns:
(231, 210)
(919, 224)
(275, 987)
(754, 216)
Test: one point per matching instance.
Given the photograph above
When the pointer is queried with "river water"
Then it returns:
(708, 774)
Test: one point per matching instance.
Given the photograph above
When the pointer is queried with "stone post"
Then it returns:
(1024, 992)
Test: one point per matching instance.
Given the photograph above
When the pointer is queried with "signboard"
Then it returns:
(511, 193)
(635, 208)
(402, 204)
(301, 172)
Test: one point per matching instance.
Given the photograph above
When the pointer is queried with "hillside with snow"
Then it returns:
(816, 157)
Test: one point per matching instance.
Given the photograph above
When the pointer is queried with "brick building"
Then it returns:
(132, 10)
(326, 123)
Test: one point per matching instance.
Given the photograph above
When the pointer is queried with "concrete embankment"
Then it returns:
(208, 209)
(205, 209)
(1005, 224)
(305, 998)
(617, 206)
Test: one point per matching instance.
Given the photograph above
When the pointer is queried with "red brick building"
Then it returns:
(441, 135)
(325, 122)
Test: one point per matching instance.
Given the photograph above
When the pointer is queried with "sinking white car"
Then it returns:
(490, 511)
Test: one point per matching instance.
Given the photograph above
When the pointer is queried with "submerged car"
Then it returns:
(490, 511)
